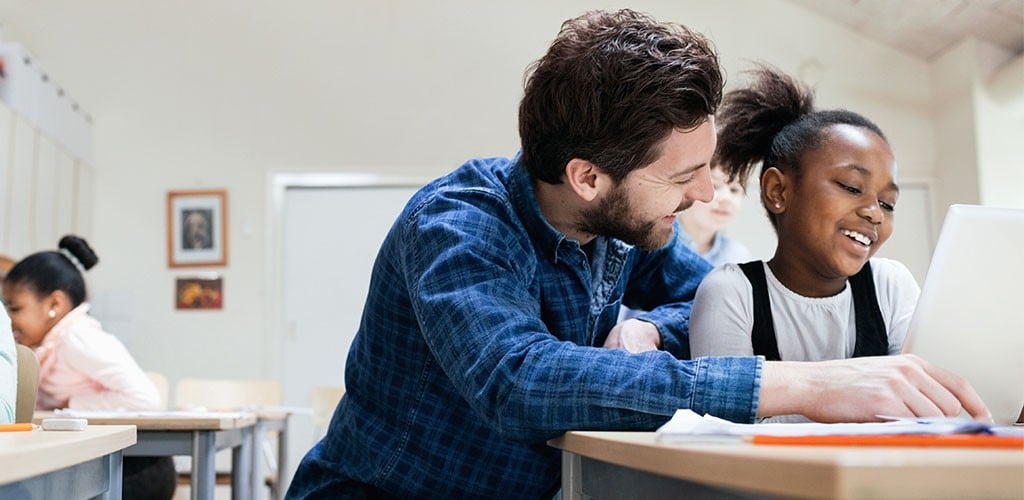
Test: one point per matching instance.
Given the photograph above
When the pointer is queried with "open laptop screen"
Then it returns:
(970, 317)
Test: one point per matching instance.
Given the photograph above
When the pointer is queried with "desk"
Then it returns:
(68, 464)
(198, 434)
(634, 465)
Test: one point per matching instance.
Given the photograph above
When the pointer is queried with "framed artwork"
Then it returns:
(199, 292)
(197, 228)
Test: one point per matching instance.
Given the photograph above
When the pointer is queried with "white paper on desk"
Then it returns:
(686, 425)
(155, 414)
(293, 410)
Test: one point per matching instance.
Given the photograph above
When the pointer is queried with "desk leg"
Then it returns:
(571, 483)
(204, 474)
(241, 466)
(282, 459)
(114, 475)
(257, 459)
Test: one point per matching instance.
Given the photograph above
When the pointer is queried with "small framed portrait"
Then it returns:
(199, 292)
(197, 228)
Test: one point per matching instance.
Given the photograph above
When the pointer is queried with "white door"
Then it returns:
(331, 237)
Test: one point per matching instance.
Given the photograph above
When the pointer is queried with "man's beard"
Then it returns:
(615, 218)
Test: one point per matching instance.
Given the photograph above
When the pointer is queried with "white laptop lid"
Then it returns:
(970, 317)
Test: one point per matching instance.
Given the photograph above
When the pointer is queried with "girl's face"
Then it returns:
(840, 210)
(29, 314)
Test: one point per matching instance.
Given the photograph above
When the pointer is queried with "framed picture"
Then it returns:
(197, 228)
(199, 292)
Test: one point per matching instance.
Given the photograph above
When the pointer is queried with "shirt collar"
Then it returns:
(524, 199)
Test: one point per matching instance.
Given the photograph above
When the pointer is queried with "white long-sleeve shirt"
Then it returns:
(83, 367)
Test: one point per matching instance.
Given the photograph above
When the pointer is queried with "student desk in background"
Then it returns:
(270, 420)
(63, 464)
(197, 434)
(608, 465)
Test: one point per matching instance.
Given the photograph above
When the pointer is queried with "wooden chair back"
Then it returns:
(28, 381)
(162, 388)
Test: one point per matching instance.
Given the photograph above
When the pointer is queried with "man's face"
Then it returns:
(640, 210)
(197, 230)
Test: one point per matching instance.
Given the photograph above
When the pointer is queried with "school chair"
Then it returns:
(230, 395)
(324, 399)
(160, 381)
(28, 380)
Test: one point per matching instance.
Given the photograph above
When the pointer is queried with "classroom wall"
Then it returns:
(1000, 124)
(199, 94)
(978, 130)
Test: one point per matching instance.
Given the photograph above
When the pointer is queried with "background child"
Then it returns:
(702, 223)
(828, 185)
(81, 366)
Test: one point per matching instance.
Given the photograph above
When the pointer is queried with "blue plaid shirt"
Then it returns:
(480, 339)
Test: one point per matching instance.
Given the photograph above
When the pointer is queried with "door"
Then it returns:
(331, 237)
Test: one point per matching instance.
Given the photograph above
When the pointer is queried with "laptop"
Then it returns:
(970, 316)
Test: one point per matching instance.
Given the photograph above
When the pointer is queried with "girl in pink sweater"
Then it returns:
(81, 366)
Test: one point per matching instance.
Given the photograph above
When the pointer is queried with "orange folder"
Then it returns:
(944, 440)
(15, 427)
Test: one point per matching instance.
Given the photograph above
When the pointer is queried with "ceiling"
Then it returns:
(926, 28)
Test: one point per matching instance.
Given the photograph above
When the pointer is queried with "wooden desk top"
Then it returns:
(813, 471)
(31, 453)
(162, 420)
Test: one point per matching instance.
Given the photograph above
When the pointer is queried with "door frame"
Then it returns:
(277, 185)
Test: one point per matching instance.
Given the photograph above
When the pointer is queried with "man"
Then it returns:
(489, 323)
(197, 229)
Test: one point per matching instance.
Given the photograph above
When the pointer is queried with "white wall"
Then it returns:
(978, 136)
(216, 94)
(1000, 127)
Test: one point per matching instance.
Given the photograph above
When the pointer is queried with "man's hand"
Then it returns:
(634, 336)
(861, 389)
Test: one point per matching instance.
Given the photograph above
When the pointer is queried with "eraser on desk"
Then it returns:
(65, 424)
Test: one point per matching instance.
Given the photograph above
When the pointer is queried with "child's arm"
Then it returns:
(722, 315)
(105, 361)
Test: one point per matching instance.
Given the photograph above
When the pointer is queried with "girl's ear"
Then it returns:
(585, 178)
(774, 190)
(58, 302)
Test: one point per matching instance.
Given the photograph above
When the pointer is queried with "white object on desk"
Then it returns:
(65, 424)
(968, 319)
(686, 425)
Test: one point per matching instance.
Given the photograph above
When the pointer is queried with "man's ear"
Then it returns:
(775, 187)
(585, 179)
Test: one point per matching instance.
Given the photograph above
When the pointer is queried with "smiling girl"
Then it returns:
(828, 185)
